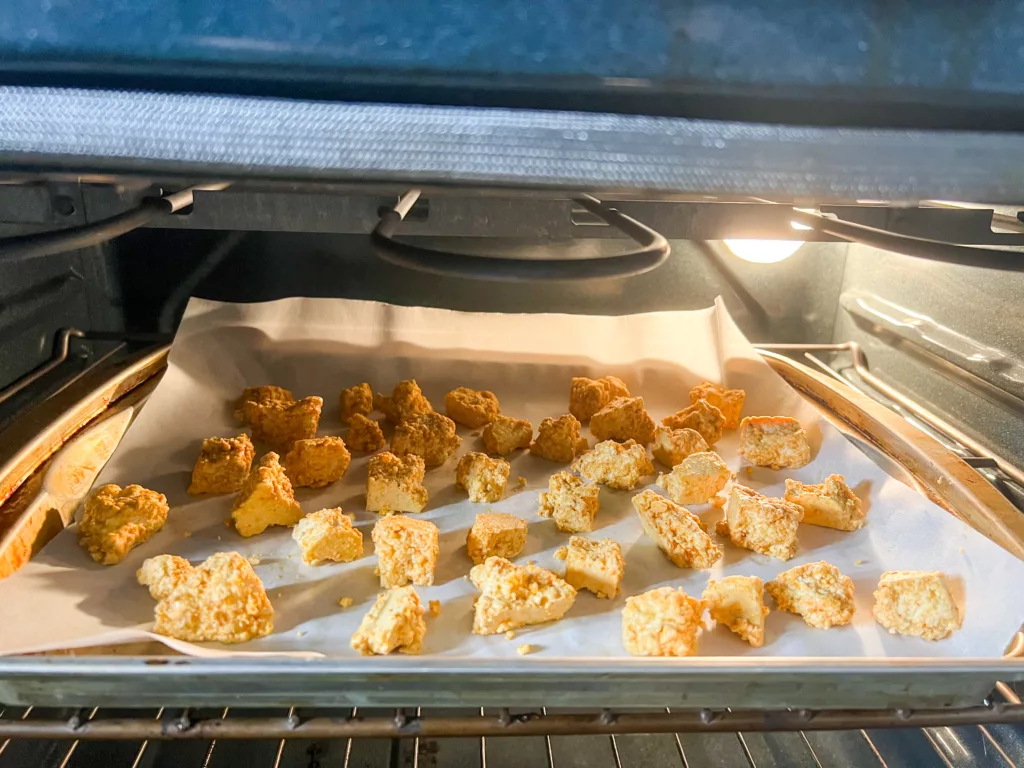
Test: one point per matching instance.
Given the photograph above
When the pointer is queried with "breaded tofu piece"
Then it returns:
(624, 418)
(597, 566)
(394, 623)
(737, 602)
(676, 531)
(364, 434)
(279, 425)
(514, 596)
(761, 524)
(696, 479)
(266, 499)
(495, 534)
(395, 484)
(327, 536)
(222, 466)
(662, 622)
(482, 477)
(572, 502)
(617, 465)
(430, 436)
(255, 396)
(354, 400)
(831, 504)
(222, 600)
(818, 592)
(505, 434)
(407, 550)
(117, 520)
(559, 439)
(471, 407)
(701, 417)
(588, 396)
(728, 401)
(776, 442)
(317, 462)
(406, 400)
(671, 446)
(917, 603)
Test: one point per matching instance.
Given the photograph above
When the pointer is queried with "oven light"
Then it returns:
(763, 251)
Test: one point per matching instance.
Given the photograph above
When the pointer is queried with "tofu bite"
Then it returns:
(395, 484)
(514, 596)
(364, 434)
(505, 434)
(354, 400)
(737, 602)
(327, 536)
(696, 479)
(831, 504)
(676, 531)
(317, 462)
(917, 603)
(394, 623)
(671, 446)
(222, 466)
(571, 502)
(257, 396)
(266, 499)
(817, 592)
(588, 396)
(617, 465)
(222, 600)
(728, 401)
(407, 550)
(701, 417)
(559, 439)
(495, 534)
(406, 401)
(471, 407)
(624, 418)
(761, 524)
(597, 566)
(776, 442)
(116, 520)
(280, 425)
(482, 477)
(430, 436)
(662, 622)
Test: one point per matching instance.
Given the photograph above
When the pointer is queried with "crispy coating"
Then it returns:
(696, 479)
(588, 396)
(917, 603)
(728, 401)
(266, 499)
(395, 484)
(328, 536)
(355, 399)
(505, 434)
(222, 600)
(662, 622)
(816, 591)
(774, 441)
(676, 531)
(428, 435)
(406, 401)
(317, 462)
(364, 434)
(597, 566)
(256, 396)
(471, 407)
(571, 501)
(737, 602)
(514, 596)
(279, 425)
(407, 550)
(701, 417)
(495, 534)
(617, 465)
(558, 439)
(117, 520)
(222, 466)
(394, 623)
(760, 523)
(671, 446)
(624, 418)
(831, 504)
(482, 477)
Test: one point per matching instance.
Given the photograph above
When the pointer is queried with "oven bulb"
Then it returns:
(763, 251)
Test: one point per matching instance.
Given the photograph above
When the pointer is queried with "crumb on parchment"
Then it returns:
(521, 482)
(510, 635)
(561, 553)
(345, 602)
(526, 648)
(434, 607)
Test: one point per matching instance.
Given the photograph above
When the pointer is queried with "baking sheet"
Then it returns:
(63, 600)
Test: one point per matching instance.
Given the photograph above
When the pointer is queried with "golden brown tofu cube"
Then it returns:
(596, 566)
(662, 622)
(222, 466)
(617, 465)
(505, 434)
(117, 520)
(266, 499)
(495, 534)
(571, 502)
(364, 434)
(728, 401)
(701, 417)
(514, 596)
(917, 603)
(317, 462)
(696, 479)
(327, 536)
(818, 592)
(776, 442)
(279, 425)
(558, 439)
(430, 436)
(671, 446)
(831, 504)
(676, 531)
(354, 400)
(394, 623)
(257, 396)
(482, 477)
(407, 550)
(588, 396)
(395, 484)
(761, 524)
(624, 418)
(406, 401)
(222, 600)
(471, 407)
(737, 602)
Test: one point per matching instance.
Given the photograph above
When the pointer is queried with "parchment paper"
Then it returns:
(62, 599)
